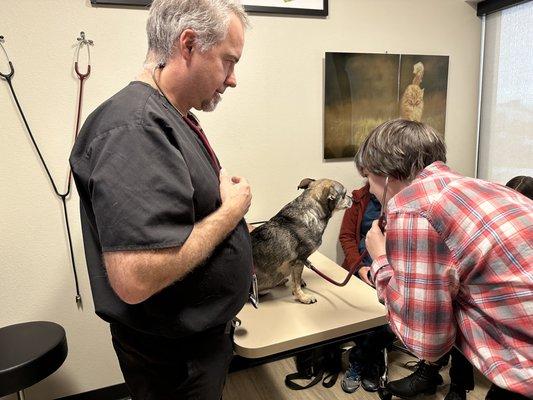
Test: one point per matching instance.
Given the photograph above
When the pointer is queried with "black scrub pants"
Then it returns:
(462, 374)
(160, 368)
(461, 371)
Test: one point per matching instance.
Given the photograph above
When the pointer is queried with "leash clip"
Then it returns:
(254, 293)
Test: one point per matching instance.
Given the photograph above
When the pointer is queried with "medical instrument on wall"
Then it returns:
(82, 41)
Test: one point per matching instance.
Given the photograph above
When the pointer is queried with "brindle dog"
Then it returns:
(281, 245)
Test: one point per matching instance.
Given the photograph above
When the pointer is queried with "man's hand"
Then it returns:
(375, 241)
(363, 274)
(137, 275)
(235, 194)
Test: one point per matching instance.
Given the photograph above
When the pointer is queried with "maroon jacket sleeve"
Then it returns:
(350, 232)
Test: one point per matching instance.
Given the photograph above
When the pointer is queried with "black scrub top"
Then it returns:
(144, 179)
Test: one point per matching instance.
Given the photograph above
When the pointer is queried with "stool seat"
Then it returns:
(29, 352)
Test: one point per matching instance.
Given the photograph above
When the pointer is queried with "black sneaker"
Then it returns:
(352, 378)
(370, 377)
(425, 380)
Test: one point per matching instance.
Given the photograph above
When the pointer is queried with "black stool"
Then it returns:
(29, 352)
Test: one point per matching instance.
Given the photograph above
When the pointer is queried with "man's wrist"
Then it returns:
(228, 217)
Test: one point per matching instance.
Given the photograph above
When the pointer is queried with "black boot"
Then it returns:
(497, 393)
(425, 380)
(456, 392)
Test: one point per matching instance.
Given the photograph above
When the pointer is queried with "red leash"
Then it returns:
(309, 265)
(382, 223)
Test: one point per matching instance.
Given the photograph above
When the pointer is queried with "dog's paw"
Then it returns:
(306, 299)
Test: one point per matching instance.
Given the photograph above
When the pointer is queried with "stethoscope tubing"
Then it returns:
(63, 196)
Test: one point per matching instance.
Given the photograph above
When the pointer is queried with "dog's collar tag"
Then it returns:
(254, 293)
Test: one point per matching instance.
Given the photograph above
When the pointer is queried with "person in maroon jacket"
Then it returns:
(366, 358)
(350, 234)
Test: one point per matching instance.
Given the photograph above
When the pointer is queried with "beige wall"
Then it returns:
(269, 129)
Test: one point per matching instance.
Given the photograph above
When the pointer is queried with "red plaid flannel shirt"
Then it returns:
(459, 270)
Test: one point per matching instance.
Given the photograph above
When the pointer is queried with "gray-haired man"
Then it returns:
(167, 248)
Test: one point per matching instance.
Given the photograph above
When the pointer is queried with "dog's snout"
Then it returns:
(347, 201)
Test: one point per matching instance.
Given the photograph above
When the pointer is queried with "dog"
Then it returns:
(281, 245)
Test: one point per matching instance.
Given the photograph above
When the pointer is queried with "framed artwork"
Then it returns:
(363, 90)
(294, 7)
(144, 3)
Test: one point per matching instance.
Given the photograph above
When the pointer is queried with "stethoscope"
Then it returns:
(82, 41)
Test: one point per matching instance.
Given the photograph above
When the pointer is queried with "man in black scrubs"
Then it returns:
(167, 248)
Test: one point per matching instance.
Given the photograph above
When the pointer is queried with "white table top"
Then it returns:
(281, 323)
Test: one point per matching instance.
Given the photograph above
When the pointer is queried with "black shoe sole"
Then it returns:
(429, 391)
(370, 389)
(421, 394)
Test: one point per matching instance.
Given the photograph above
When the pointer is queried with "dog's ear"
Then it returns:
(304, 184)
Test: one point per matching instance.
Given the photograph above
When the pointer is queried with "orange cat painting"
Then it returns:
(412, 101)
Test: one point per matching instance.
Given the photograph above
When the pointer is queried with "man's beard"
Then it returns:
(210, 105)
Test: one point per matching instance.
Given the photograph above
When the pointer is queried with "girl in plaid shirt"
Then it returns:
(455, 264)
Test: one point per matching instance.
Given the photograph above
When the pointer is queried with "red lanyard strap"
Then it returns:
(193, 124)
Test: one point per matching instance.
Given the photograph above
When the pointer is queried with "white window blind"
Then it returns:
(506, 124)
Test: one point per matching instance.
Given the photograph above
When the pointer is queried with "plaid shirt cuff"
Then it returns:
(377, 264)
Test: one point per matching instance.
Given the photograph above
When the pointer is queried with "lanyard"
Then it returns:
(192, 122)
(195, 126)
(253, 295)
